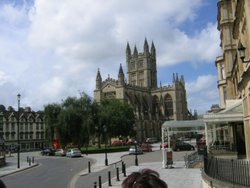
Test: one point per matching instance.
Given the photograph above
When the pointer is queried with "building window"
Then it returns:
(42, 135)
(168, 105)
(7, 127)
(13, 127)
(7, 136)
(21, 136)
(225, 93)
(223, 76)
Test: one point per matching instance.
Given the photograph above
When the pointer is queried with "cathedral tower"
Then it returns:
(141, 67)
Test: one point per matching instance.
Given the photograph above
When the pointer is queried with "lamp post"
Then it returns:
(135, 142)
(136, 158)
(105, 144)
(241, 50)
(18, 140)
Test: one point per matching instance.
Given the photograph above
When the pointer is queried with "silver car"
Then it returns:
(74, 152)
(60, 152)
(135, 150)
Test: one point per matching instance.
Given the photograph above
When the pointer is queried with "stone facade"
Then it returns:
(31, 128)
(233, 67)
(152, 104)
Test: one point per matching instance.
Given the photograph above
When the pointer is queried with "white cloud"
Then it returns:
(52, 49)
(202, 47)
(202, 93)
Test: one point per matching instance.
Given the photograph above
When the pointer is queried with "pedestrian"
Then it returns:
(145, 178)
(2, 185)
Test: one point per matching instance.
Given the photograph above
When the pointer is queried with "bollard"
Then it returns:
(89, 167)
(122, 167)
(117, 174)
(100, 181)
(33, 159)
(109, 177)
(124, 172)
(95, 186)
(29, 161)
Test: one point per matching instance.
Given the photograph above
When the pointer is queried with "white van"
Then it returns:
(151, 140)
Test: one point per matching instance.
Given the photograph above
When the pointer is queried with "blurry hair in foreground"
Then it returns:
(145, 178)
(2, 185)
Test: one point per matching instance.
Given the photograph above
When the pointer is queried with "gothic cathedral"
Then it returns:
(152, 104)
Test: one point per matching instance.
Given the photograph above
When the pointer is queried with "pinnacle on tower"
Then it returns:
(98, 79)
(121, 79)
(173, 78)
(98, 76)
(121, 70)
(128, 51)
(135, 52)
(146, 48)
(153, 49)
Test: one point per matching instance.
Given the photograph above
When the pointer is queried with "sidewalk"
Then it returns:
(177, 177)
(11, 166)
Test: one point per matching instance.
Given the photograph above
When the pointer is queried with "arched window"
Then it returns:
(155, 105)
(168, 106)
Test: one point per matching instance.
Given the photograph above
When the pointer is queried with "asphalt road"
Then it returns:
(58, 172)
(53, 172)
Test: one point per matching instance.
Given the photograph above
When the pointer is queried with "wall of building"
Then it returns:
(31, 128)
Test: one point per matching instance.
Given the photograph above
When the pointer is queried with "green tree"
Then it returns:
(52, 112)
(118, 118)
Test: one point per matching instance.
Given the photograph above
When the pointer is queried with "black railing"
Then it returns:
(192, 159)
(234, 171)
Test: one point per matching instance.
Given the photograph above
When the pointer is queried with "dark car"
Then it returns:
(183, 146)
(48, 151)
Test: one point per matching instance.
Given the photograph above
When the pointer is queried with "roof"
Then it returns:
(183, 124)
(232, 113)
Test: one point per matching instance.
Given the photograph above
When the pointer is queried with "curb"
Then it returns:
(20, 170)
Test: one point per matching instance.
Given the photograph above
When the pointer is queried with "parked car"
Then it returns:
(48, 151)
(146, 147)
(183, 146)
(151, 140)
(73, 152)
(60, 152)
(117, 143)
(164, 145)
(135, 150)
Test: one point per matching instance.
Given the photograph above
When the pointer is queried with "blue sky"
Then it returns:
(52, 49)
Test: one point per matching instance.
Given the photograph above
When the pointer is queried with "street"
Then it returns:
(55, 172)
(62, 172)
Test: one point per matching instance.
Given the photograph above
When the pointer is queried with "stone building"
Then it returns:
(31, 128)
(228, 130)
(233, 71)
(152, 104)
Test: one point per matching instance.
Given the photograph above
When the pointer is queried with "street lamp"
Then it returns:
(136, 158)
(135, 142)
(18, 140)
(105, 144)
(241, 50)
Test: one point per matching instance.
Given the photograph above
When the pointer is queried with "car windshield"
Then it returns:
(76, 150)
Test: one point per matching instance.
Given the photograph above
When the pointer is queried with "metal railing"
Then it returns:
(234, 171)
(192, 159)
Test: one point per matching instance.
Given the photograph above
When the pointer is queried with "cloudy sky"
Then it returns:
(51, 49)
